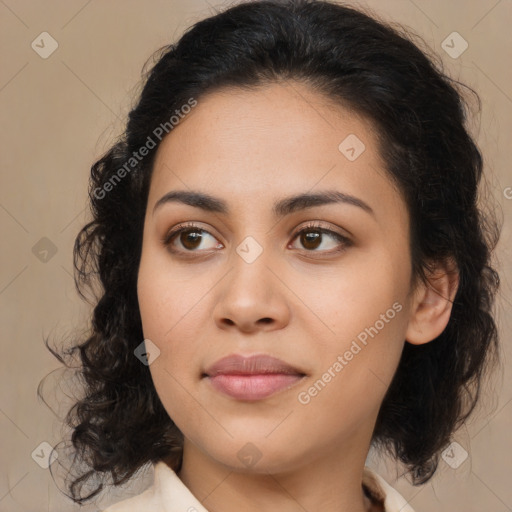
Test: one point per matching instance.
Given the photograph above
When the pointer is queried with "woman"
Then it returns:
(293, 265)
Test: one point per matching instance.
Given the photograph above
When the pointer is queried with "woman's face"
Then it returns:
(332, 304)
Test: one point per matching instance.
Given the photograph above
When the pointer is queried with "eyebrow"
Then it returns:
(281, 208)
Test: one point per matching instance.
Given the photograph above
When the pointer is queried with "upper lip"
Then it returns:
(237, 364)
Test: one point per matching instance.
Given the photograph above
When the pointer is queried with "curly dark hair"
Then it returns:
(375, 69)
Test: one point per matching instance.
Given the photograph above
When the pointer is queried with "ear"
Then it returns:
(432, 304)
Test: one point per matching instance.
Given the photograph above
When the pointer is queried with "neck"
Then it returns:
(331, 482)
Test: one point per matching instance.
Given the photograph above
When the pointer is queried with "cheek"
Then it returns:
(167, 300)
(174, 310)
(367, 314)
(173, 390)
(354, 374)
(353, 298)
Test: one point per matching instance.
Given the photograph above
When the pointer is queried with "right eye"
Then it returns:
(190, 237)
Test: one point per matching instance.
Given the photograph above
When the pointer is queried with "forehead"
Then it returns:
(273, 140)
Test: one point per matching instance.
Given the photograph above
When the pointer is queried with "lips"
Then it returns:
(252, 378)
(253, 365)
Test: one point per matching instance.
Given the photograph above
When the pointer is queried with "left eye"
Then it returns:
(312, 237)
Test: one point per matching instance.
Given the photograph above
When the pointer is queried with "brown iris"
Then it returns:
(192, 237)
(308, 237)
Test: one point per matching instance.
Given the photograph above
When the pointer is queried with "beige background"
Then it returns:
(61, 113)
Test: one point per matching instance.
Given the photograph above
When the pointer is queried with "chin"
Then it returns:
(256, 454)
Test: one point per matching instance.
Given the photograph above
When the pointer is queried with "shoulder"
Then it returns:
(382, 493)
(142, 501)
(147, 499)
(139, 502)
(167, 493)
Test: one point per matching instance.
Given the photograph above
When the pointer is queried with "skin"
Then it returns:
(301, 303)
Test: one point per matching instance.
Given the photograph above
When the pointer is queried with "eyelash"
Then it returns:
(312, 226)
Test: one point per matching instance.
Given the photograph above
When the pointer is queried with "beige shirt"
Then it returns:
(169, 494)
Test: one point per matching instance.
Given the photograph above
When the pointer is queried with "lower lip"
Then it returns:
(253, 387)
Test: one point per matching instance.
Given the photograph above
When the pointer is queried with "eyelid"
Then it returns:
(181, 227)
(319, 225)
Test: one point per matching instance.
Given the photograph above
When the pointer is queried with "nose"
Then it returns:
(251, 297)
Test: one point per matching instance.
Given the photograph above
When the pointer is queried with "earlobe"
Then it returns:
(432, 304)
